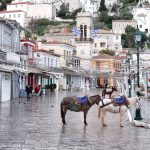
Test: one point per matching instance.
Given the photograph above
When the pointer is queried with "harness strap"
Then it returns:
(103, 105)
(102, 102)
(127, 106)
(119, 109)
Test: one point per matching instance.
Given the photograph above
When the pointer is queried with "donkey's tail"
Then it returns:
(99, 112)
(61, 110)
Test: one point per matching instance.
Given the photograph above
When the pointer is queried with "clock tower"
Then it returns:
(84, 40)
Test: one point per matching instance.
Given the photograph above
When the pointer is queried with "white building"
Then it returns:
(48, 62)
(9, 60)
(18, 15)
(107, 40)
(69, 63)
(22, 12)
(142, 16)
(119, 26)
(38, 11)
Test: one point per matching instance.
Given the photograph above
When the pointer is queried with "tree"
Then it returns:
(106, 19)
(3, 4)
(64, 10)
(102, 6)
(108, 52)
(28, 34)
(128, 39)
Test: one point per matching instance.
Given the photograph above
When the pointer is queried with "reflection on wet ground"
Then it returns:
(36, 124)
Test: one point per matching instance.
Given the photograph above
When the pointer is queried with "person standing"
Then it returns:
(28, 91)
(105, 85)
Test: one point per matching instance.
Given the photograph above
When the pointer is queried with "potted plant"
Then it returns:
(52, 87)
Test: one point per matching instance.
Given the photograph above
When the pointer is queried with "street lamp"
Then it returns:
(138, 36)
(129, 56)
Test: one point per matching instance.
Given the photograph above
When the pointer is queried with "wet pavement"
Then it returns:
(36, 125)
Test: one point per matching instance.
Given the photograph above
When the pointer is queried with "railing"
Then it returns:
(83, 40)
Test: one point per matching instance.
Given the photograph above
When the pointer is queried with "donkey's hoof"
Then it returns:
(85, 123)
(64, 123)
(104, 125)
(121, 125)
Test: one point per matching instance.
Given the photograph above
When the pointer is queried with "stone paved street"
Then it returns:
(36, 125)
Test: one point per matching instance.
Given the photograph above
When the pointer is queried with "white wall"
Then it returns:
(142, 16)
(36, 11)
(19, 16)
(46, 60)
(17, 6)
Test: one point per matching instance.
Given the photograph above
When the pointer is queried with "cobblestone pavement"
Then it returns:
(36, 125)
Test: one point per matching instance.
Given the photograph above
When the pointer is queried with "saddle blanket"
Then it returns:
(82, 100)
(119, 100)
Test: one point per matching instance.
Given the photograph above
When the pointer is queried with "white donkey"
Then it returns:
(108, 106)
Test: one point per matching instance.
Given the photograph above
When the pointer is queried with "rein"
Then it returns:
(103, 105)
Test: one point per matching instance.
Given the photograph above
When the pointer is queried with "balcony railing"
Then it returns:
(83, 40)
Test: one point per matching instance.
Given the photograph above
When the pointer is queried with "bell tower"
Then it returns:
(84, 40)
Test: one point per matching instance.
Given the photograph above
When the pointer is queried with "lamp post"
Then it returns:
(138, 36)
(129, 80)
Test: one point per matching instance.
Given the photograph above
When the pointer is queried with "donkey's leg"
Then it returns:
(102, 116)
(63, 117)
(122, 115)
(85, 114)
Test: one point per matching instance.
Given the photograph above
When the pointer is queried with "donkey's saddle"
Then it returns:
(120, 100)
(82, 100)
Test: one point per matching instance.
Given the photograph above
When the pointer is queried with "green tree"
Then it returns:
(106, 19)
(108, 52)
(3, 4)
(28, 34)
(102, 6)
(128, 39)
(63, 12)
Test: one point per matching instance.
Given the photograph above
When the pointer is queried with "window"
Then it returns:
(102, 44)
(105, 65)
(9, 16)
(81, 29)
(64, 54)
(117, 38)
(76, 63)
(18, 15)
(48, 62)
(44, 61)
(14, 15)
(97, 65)
(95, 44)
(85, 32)
(140, 26)
(146, 30)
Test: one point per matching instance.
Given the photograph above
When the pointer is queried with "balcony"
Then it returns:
(84, 40)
